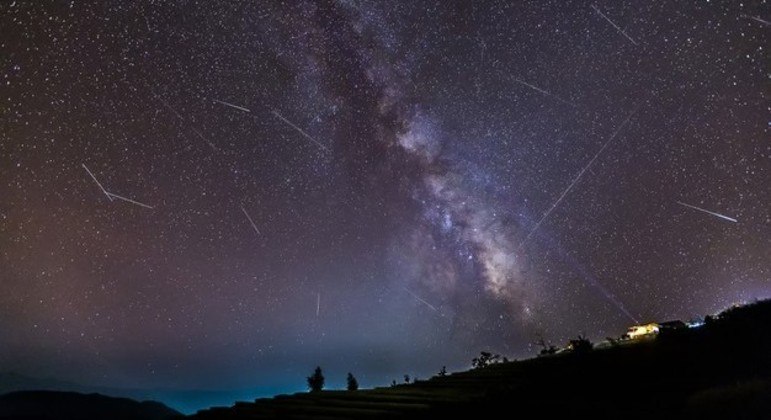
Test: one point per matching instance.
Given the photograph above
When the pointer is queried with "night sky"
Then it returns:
(370, 187)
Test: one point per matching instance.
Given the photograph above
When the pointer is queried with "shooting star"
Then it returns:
(169, 107)
(421, 300)
(97, 182)
(181, 118)
(250, 220)
(757, 19)
(614, 25)
(722, 216)
(543, 91)
(129, 200)
(240, 108)
(110, 195)
(575, 180)
(318, 304)
(300, 130)
(200, 136)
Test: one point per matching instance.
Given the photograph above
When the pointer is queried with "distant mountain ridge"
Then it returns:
(57, 405)
(13, 381)
(185, 400)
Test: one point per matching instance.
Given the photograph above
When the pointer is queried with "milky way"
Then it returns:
(374, 188)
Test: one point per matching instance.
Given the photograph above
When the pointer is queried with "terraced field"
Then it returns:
(721, 370)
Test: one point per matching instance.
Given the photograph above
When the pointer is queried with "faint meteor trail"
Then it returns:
(318, 304)
(169, 107)
(300, 130)
(250, 220)
(590, 279)
(181, 118)
(724, 217)
(97, 182)
(536, 88)
(757, 19)
(200, 136)
(129, 200)
(421, 300)
(614, 25)
(240, 108)
(575, 180)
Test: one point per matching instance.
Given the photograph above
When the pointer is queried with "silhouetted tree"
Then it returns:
(580, 345)
(485, 359)
(393, 383)
(546, 347)
(443, 372)
(353, 384)
(406, 379)
(316, 381)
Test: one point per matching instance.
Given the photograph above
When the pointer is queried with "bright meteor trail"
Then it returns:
(300, 130)
(578, 177)
(128, 200)
(111, 195)
(240, 108)
(724, 217)
(621, 31)
(97, 182)
(254, 226)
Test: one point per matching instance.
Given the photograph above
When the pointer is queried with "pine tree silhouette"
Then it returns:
(353, 384)
(316, 381)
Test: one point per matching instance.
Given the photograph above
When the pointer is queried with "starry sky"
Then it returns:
(223, 195)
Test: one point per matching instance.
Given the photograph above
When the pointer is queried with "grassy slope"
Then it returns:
(722, 370)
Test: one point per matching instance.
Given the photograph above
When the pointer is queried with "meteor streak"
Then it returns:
(614, 25)
(119, 197)
(300, 130)
(724, 217)
(111, 196)
(181, 118)
(200, 136)
(421, 300)
(250, 220)
(757, 19)
(97, 182)
(240, 108)
(575, 180)
(169, 107)
(536, 88)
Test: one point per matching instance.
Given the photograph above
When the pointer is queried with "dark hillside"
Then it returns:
(720, 370)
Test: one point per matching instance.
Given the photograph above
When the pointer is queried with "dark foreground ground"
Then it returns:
(721, 370)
